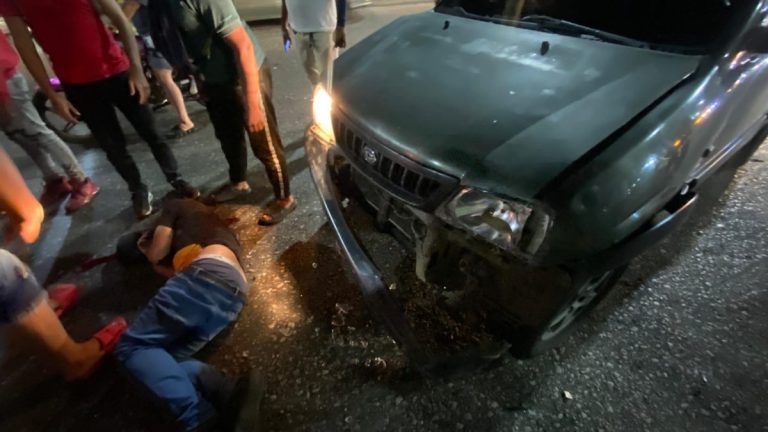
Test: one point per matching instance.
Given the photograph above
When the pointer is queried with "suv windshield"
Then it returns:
(664, 24)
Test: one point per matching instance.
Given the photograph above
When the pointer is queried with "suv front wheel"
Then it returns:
(588, 291)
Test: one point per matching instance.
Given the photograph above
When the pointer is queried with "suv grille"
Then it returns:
(402, 177)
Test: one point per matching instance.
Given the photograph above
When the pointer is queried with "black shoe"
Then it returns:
(242, 410)
(142, 203)
(185, 189)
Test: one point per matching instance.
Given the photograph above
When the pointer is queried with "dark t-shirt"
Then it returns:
(203, 25)
(195, 223)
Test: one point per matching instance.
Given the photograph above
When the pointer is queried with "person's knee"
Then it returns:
(165, 76)
(19, 290)
(126, 347)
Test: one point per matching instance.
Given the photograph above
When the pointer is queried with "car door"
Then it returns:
(255, 10)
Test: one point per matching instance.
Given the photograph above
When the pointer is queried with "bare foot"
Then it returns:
(285, 202)
(185, 126)
(277, 210)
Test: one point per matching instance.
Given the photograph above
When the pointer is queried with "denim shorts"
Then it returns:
(156, 60)
(19, 290)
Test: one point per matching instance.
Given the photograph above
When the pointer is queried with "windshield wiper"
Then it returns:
(550, 23)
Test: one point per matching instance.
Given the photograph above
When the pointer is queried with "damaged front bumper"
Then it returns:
(375, 291)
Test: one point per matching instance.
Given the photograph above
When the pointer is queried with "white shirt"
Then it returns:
(310, 16)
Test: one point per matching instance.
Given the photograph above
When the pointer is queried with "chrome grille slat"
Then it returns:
(402, 177)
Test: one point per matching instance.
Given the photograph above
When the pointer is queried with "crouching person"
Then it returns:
(204, 295)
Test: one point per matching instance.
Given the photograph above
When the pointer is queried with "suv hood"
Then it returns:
(488, 103)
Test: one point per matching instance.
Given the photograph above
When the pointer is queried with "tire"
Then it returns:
(587, 292)
(81, 136)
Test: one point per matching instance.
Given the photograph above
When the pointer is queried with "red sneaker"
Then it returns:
(83, 192)
(64, 295)
(55, 190)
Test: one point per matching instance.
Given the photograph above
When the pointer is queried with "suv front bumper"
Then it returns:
(385, 309)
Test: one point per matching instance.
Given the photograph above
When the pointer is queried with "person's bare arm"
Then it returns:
(163, 270)
(161, 244)
(137, 81)
(25, 45)
(241, 43)
(339, 35)
(130, 7)
(25, 211)
(284, 23)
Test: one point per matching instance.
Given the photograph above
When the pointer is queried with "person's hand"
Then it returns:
(64, 108)
(256, 119)
(144, 242)
(26, 226)
(286, 35)
(138, 84)
(340, 38)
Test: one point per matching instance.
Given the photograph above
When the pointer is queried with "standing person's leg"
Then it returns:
(268, 148)
(36, 134)
(142, 119)
(92, 100)
(225, 109)
(56, 186)
(324, 52)
(308, 59)
(173, 92)
(27, 143)
(163, 71)
(23, 305)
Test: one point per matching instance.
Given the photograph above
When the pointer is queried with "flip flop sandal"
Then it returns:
(177, 133)
(65, 296)
(275, 213)
(108, 337)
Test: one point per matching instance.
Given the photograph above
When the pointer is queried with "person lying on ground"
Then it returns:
(204, 295)
(22, 124)
(23, 305)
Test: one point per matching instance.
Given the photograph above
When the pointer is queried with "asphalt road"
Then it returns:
(680, 344)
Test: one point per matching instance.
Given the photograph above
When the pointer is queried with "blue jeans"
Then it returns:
(19, 290)
(187, 312)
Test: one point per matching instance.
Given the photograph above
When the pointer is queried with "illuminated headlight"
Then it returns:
(322, 105)
(498, 221)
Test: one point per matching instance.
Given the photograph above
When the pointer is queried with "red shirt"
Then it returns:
(78, 43)
(8, 62)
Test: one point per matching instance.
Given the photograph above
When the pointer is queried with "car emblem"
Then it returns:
(370, 156)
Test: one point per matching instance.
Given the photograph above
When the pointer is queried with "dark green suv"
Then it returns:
(536, 147)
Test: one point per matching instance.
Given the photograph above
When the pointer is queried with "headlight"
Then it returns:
(500, 222)
(322, 105)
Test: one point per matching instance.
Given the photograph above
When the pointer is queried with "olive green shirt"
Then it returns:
(203, 25)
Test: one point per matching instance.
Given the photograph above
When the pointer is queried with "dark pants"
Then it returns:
(96, 102)
(226, 108)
